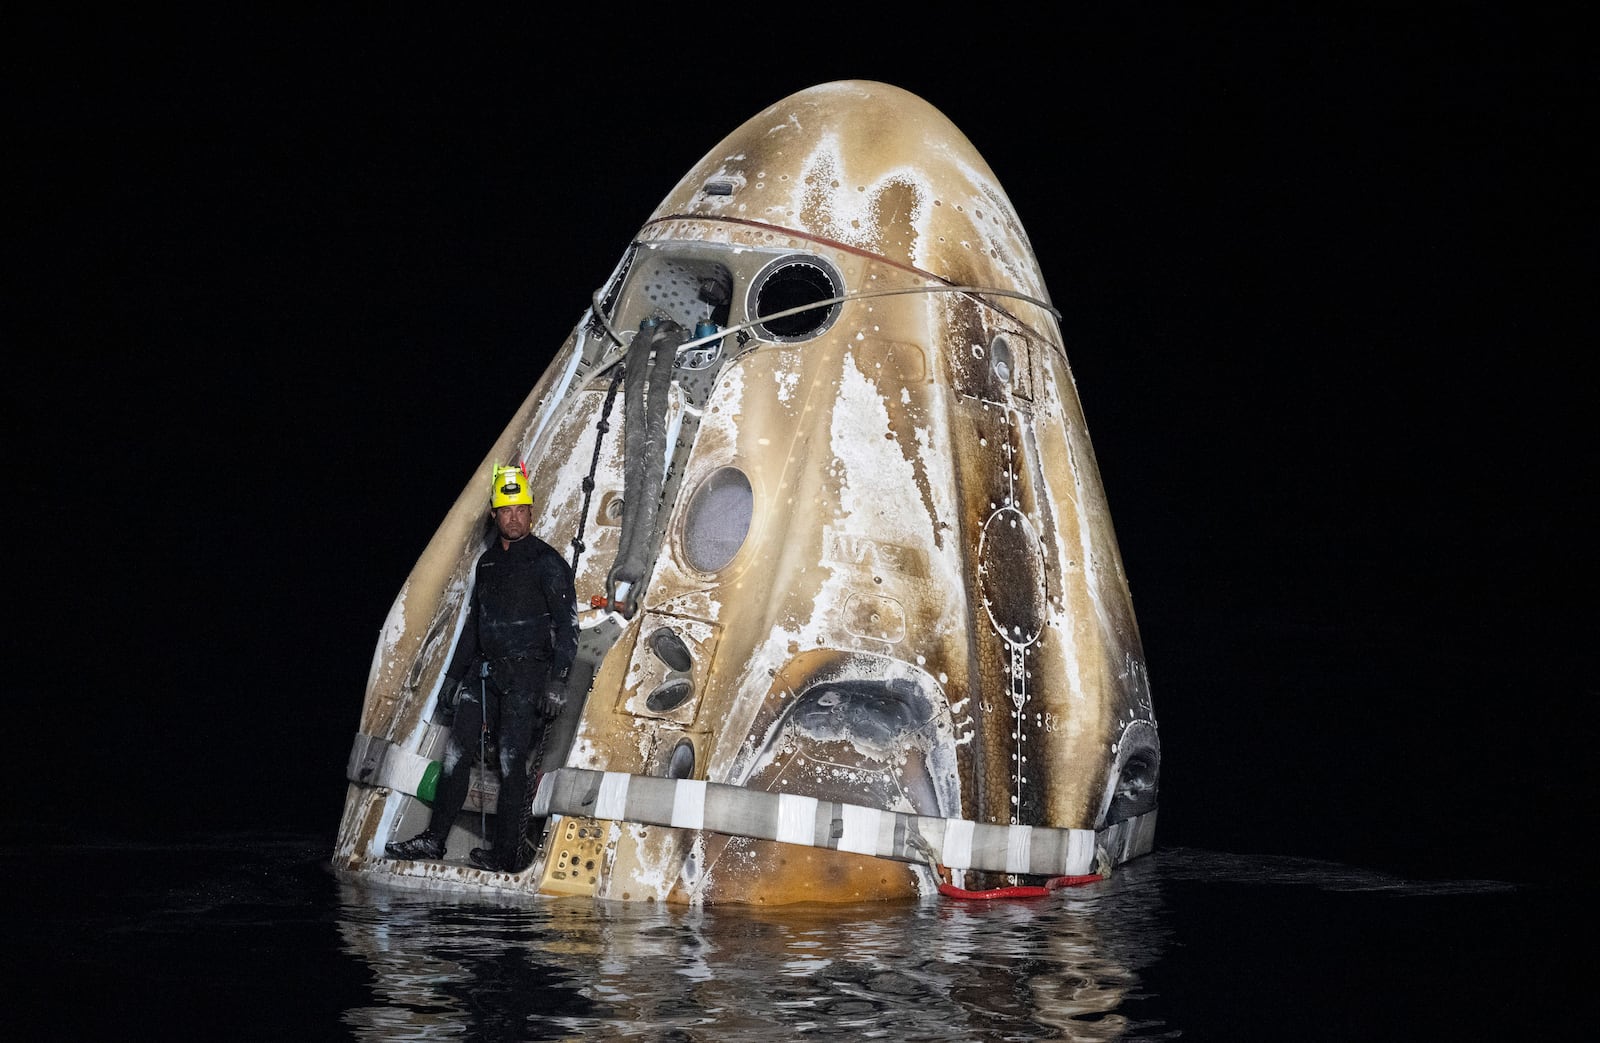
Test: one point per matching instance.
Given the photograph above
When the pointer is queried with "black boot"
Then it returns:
(423, 845)
(488, 858)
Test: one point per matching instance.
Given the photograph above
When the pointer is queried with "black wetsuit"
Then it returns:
(521, 629)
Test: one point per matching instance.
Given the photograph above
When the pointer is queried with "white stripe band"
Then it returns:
(402, 770)
(612, 801)
(860, 829)
(957, 852)
(807, 821)
(1080, 852)
(689, 804)
(1019, 848)
(797, 819)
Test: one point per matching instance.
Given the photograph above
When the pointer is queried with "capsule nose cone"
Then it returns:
(831, 162)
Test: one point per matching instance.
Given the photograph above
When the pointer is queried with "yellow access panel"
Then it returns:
(572, 866)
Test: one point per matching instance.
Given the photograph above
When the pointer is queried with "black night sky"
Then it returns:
(1327, 279)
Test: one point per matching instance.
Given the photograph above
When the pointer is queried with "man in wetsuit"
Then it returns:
(507, 679)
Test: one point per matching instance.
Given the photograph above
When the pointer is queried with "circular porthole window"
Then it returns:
(797, 281)
(718, 519)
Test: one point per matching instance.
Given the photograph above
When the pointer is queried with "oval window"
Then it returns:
(681, 765)
(1000, 359)
(718, 519)
(669, 695)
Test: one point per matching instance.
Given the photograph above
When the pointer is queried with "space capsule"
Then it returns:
(855, 623)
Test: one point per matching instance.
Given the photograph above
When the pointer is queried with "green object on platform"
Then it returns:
(430, 781)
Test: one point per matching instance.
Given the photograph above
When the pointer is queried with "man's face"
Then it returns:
(514, 520)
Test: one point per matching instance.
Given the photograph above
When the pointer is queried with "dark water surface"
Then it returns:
(252, 937)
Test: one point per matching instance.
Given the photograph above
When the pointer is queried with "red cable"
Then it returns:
(952, 891)
(1073, 881)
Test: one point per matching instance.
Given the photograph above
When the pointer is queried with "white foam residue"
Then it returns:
(787, 380)
(791, 121)
(1060, 617)
(394, 624)
(394, 628)
(941, 482)
(571, 469)
(842, 204)
(880, 494)
(651, 877)
(756, 676)
(1004, 239)
(851, 216)
(584, 754)
(547, 409)
(570, 478)
(876, 471)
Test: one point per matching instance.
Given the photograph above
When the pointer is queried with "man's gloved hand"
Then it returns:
(555, 700)
(450, 696)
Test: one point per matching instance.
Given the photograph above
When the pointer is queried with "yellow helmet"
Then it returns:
(510, 487)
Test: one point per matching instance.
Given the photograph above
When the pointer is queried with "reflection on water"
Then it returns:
(243, 937)
(1051, 968)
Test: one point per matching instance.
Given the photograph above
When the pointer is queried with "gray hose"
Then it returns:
(648, 378)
